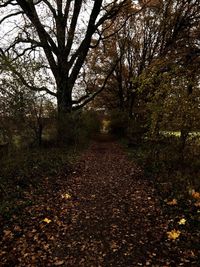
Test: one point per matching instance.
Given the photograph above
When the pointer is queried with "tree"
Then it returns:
(161, 37)
(58, 35)
(23, 114)
(112, 61)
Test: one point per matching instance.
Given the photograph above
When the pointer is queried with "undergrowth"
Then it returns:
(24, 171)
(174, 173)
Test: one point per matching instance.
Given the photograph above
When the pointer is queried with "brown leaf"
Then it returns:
(59, 262)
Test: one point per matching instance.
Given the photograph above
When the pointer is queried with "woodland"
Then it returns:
(100, 133)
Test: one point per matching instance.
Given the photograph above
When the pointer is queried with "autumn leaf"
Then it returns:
(114, 246)
(197, 204)
(182, 221)
(46, 220)
(173, 202)
(196, 195)
(7, 233)
(59, 262)
(174, 234)
(66, 196)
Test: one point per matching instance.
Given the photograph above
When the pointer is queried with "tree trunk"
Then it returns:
(39, 134)
(64, 109)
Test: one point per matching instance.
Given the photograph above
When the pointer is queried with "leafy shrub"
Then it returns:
(27, 167)
(119, 123)
(91, 122)
(80, 126)
(161, 162)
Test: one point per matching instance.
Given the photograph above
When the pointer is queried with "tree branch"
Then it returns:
(90, 97)
(11, 15)
(50, 7)
(21, 78)
(8, 2)
(77, 8)
(47, 43)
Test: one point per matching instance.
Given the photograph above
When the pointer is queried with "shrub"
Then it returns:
(80, 126)
(119, 123)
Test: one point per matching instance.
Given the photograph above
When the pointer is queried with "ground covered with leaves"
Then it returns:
(103, 213)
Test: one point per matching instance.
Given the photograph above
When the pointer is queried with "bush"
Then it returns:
(161, 162)
(91, 122)
(81, 126)
(136, 132)
(119, 123)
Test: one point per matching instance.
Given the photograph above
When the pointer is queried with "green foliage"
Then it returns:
(91, 122)
(136, 131)
(78, 127)
(26, 170)
(119, 123)
(28, 165)
(161, 162)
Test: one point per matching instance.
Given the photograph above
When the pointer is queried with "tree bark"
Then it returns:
(64, 109)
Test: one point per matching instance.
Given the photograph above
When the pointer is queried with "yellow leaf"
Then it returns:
(46, 220)
(173, 234)
(182, 221)
(172, 202)
(66, 196)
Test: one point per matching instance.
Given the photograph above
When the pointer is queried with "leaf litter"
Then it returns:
(104, 213)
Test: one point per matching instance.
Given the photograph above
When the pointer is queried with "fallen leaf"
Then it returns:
(172, 202)
(7, 233)
(197, 204)
(114, 246)
(46, 220)
(174, 234)
(66, 196)
(196, 195)
(182, 221)
(59, 262)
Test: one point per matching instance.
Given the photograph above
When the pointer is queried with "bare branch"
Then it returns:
(11, 15)
(77, 8)
(66, 11)
(90, 97)
(8, 2)
(50, 7)
(22, 79)
(26, 41)
(23, 53)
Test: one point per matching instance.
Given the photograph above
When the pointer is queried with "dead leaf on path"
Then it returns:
(173, 202)
(197, 204)
(174, 234)
(114, 246)
(66, 196)
(17, 228)
(59, 262)
(7, 233)
(47, 220)
(182, 221)
(196, 195)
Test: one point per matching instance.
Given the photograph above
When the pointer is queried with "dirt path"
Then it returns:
(104, 214)
(114, 222)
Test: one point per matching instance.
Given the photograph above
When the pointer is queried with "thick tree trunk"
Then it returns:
(64, 109)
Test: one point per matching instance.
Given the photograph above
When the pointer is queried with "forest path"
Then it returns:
(115, 216)
(104, 213)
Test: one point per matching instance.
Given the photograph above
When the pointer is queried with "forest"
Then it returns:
(100, 133)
